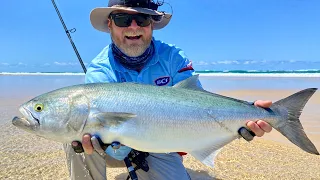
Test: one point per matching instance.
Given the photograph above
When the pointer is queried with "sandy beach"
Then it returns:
(26, 156)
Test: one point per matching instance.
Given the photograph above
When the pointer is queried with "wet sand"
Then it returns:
(26, 156)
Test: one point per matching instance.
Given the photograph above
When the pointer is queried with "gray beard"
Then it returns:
(131, 50)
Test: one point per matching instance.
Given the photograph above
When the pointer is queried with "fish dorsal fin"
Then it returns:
(190, 83)
(194, 84)
(112, 118)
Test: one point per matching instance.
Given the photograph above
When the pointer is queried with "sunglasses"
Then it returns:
(125, 20)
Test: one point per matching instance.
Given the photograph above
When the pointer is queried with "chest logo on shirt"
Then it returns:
(162, 81)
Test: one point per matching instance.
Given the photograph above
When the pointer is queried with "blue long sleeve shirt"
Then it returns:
(168, 66)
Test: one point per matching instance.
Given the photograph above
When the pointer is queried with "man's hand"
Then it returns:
(257, 127)
(260, 127)
(86, 145)
(93, 143)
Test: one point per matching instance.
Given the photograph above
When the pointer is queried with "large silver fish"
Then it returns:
(182, 118)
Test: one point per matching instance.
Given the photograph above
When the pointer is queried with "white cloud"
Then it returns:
(21, 64)
(201, 63)
(5, 64)
(65, 63)
(228, 62)
(250, 62)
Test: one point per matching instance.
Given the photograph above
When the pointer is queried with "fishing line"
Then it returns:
(69, 36)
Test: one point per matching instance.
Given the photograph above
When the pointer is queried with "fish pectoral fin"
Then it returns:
(113, 118)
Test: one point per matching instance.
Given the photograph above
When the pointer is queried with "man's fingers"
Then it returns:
(96, 144)
(263, 104)
(77, 147)
(260, 127)
(246, 134)
(264, 126)
(86, 144)
(75, 143)
(255, 128)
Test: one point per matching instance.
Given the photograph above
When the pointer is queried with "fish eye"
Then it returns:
(38, 107)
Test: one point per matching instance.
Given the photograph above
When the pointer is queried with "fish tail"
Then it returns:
(291, 127)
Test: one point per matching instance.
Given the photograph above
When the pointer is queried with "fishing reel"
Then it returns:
(139, 158)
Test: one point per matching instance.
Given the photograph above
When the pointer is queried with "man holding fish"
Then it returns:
(143, 93)
(135, 56)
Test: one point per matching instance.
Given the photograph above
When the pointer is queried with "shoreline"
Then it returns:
(201, 73)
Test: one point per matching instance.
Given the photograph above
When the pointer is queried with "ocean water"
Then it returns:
(224, 66)
(214, 82)
(16, 85)
(26, 85)
(255, 66)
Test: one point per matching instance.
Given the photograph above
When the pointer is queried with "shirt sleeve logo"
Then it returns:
(162, 81)
(186, 68)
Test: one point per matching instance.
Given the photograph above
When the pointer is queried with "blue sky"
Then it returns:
(33, 39)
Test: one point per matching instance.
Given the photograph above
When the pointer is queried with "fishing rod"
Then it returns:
(127, 162)
(69, 36)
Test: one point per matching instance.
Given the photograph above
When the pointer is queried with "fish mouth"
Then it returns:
(20, 122)
(28, 122)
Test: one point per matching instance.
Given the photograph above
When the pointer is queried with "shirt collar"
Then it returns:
(118, 67)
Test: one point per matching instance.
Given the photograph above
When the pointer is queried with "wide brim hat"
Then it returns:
(99, 16)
